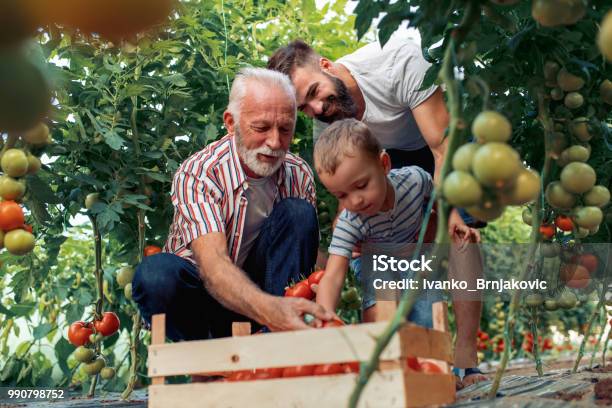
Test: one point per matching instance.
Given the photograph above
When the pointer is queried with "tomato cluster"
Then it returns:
(412, 364)
(81, 333)
(15, 235)
(478, 182)
(543, 345)
(304, 288)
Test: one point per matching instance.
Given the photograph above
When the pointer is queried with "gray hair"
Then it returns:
(265, 77)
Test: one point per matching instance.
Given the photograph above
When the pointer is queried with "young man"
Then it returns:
(382, 88)
(244, 223)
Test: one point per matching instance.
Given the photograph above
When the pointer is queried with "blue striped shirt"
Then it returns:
(401, 224)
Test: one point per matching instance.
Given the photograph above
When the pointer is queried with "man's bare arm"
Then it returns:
(432, 118)
(233, 289)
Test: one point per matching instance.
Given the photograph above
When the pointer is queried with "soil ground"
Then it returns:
(520, 387)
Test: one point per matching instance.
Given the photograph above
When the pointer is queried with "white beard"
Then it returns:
(249, 157)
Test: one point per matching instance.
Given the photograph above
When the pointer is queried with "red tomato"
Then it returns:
(333, 323)
(564, 223)
(413, 364)
(328, 369)
(79, 332)
(274, 372)
(151, 250)
(589, 261)
(301, 290)
(352, 367)
(547, 231)
(244, 375)
(575, 276)
(298, 371)
(109, 324)
(548, 344)
(431, 368)
(11, 215)
(28, 228)
(484, 336)
(315, 277)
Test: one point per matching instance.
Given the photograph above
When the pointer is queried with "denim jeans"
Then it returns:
(421, 312)
(166, 283)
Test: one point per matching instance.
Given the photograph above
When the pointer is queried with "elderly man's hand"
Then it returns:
(285, 313)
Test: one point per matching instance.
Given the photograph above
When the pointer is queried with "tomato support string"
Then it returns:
(100, 287)
(546, 121)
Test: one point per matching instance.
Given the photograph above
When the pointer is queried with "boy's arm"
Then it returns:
(331, 284)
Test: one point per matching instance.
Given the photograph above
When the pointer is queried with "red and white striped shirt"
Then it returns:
(208, 194)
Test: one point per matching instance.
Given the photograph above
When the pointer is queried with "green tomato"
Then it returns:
(491, 126)
(84, 354)
(487, 169)
(461, 189)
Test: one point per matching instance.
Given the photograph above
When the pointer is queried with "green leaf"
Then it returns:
(41, 331)
(63, 349)
(10, 368)
(41, 190)
(22, 348)
(366, 11)
(113, 140)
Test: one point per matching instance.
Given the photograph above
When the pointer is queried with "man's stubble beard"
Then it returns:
(343, 102)
(249, 157)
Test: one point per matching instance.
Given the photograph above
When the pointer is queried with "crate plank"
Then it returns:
(158, 336)
(429, 389)
(330, 345)
(418, 341)
(385, 389)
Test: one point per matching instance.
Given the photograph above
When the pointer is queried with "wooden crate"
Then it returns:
(393, 385)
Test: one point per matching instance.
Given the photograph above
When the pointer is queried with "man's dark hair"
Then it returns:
(296, 54)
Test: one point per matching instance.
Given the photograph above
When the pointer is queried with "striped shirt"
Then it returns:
(401, 224)
(209, 195)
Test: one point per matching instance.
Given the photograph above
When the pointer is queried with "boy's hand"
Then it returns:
(460, 233)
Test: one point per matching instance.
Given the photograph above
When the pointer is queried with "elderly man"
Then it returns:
(244, 223)
(382, 88)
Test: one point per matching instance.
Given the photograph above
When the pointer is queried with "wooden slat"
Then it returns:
(331, 345)
(429, 389)
(418, 341)
(158, 336)
(384, 389)
(316, 346)
(385, 310)
(241, 329)
(440, 322)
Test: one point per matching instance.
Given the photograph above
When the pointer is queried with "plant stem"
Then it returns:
(602, 323)
(587, 333)
(534, 334)
(409, 297)
(100, 286)
(605, 348)
(546, 122)
(136, 318)
(10, 142)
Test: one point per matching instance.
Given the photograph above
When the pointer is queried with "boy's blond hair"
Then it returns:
(343, 138)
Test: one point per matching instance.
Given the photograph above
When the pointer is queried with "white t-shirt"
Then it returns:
(389, 79)
(260, 195)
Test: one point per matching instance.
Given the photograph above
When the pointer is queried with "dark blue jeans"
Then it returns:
(285, 249)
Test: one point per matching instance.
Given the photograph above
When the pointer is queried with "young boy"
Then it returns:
(381, 205)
